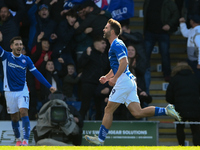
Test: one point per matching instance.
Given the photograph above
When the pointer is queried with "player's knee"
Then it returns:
(23, 112)
(136, 115)
(108, 110)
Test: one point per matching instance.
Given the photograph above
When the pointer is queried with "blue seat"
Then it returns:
(76, 104)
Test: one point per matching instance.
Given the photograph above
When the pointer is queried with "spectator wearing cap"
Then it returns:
(10, 24)
(55, 9)
(193, 43)
(40, 22)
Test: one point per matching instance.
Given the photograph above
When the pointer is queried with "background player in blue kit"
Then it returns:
(125, 88)
(15, 66)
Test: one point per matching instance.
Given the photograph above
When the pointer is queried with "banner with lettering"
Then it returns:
(125, 133)
(121, 9)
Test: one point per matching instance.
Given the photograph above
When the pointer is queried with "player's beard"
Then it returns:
(107, 34)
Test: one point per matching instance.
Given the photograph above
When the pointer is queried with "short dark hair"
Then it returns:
(15, 38)
(72, 12)
(98, 38)
(44, 39)
(115, 25)
(125, 22)
(70, 64)
(88, 3)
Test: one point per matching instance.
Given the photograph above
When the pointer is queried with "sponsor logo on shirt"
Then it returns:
(15, 66)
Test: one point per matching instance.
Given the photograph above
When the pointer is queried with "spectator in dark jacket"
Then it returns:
(183, 91)
(63, 42)
(93, 64)
(69, 83)
(48, 70)
(160, 19)
(9, 24)
(40, 22)
(95, 19)
(55, 9)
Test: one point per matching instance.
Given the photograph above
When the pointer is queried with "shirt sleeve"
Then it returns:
(30, 64)
(197, 43)
(184, 30)
(37, 74)
(119, 51)
(1, 51)
(41, 78)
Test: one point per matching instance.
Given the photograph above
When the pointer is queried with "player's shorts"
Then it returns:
(16, 100)
(124, 91)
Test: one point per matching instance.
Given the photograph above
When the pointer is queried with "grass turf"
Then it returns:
(100, 148)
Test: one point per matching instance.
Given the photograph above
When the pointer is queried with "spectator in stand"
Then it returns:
(193, 43)
(55, 9)
(40, 53)
(83, 40)
(69, 82)
(25, 23)
(93, 64)
(64, 44)
(48, 70)
(94, 21)
(40, 22)
(185, 99)
(160, 19)
(10, 24)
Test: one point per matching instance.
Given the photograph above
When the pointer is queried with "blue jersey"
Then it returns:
(118, 51)
(15, 70)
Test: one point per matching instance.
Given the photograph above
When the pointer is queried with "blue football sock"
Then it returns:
(103, 133)
(16, 129)
(159, 111)
(26, 127)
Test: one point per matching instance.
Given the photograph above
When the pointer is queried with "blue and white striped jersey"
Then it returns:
(15, 70)
(118, 51)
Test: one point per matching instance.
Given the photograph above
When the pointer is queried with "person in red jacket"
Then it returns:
(40, 52)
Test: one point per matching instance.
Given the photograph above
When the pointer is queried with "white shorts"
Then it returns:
(124, 91)
(16, 100)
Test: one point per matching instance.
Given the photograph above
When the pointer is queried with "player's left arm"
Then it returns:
(122, 66)
(42, 80)
(39, 76)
